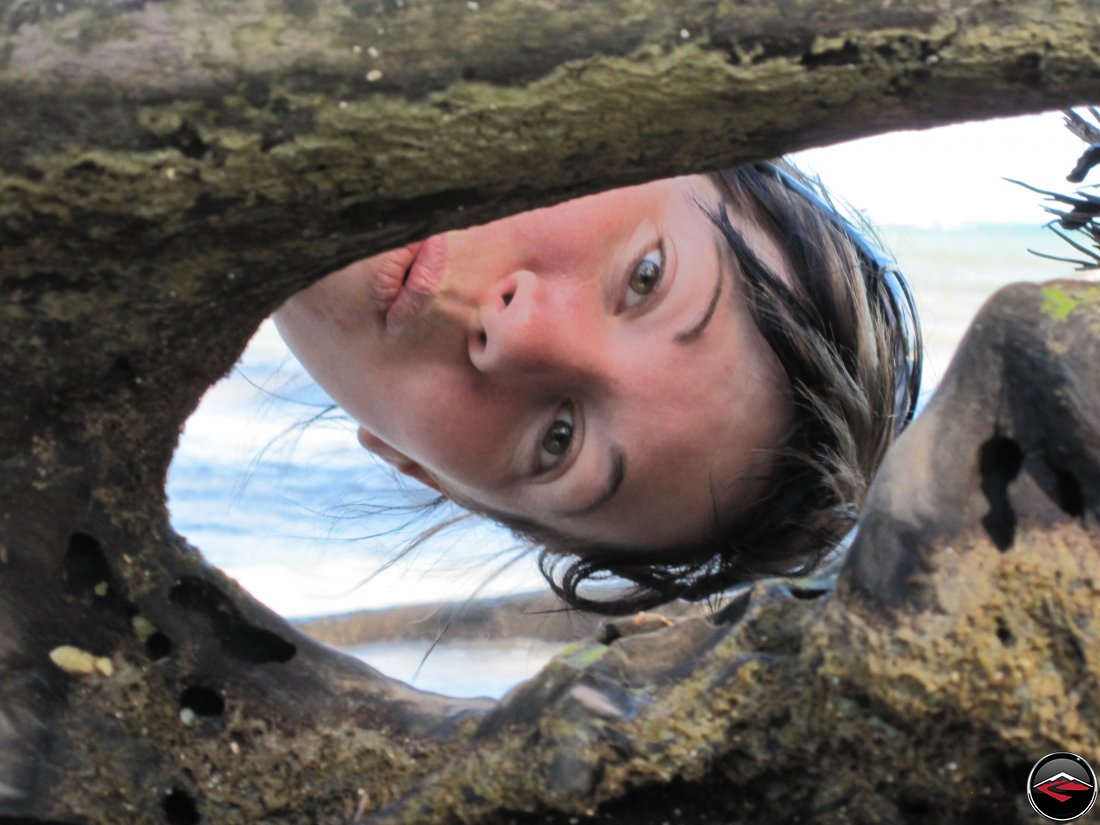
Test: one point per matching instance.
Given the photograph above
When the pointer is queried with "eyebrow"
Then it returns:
(696, 330)
(614, 482)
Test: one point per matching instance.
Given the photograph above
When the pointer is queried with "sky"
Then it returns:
(951, 175)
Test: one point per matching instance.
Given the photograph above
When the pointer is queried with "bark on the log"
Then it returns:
(170, 171)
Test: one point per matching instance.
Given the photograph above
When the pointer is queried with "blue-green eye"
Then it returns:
(646, 277)
(557, 440)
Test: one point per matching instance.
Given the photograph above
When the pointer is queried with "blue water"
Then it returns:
(460, 668)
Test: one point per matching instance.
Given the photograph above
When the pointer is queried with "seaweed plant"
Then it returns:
(1077, 216)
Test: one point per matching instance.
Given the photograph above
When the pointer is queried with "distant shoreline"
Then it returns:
(535, 615)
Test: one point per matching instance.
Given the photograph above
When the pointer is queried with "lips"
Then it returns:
(407, 278)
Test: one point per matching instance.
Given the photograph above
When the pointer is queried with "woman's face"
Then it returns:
(591, 366)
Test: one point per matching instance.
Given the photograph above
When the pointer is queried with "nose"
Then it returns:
(532, 327)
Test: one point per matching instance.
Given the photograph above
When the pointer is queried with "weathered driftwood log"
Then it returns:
(171, 171)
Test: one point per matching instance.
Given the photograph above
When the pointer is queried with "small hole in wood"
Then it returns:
(85, 566)
(180, 808)
(1004, 635)
(203, 701)
(158, 646)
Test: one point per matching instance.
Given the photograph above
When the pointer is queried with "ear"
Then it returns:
(402, 462)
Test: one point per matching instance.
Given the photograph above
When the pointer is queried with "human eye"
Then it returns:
(556, 441)
(645, 278)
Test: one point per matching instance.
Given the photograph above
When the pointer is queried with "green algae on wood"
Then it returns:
(1059, 301)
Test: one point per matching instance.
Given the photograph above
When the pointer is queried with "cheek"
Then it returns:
(322, 324)
(559, 239)
(315, 345)
(296, 325)
(333, 302)
(450, 428)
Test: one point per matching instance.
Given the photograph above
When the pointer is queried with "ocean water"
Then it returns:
(271, 485)
(953, 271)
(460, 668)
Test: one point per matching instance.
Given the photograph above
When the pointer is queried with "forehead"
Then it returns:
(696, 437)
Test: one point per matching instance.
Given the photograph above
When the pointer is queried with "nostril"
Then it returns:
(483, 338)
(507, 298)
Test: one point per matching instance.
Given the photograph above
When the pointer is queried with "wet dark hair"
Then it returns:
(846, 335)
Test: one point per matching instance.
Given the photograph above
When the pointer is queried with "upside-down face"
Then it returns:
(591, 367)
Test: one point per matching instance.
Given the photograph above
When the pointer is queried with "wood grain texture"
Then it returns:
(172, 170)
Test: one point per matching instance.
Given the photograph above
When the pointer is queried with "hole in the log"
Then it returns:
(202, 701)
(86, 574)
(124, 368)
(238, 637)
(85, 567)
(999, 462)
(180, 808)
(1068, 493)
(809, 593)
(158, 646)
(1005, 635)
